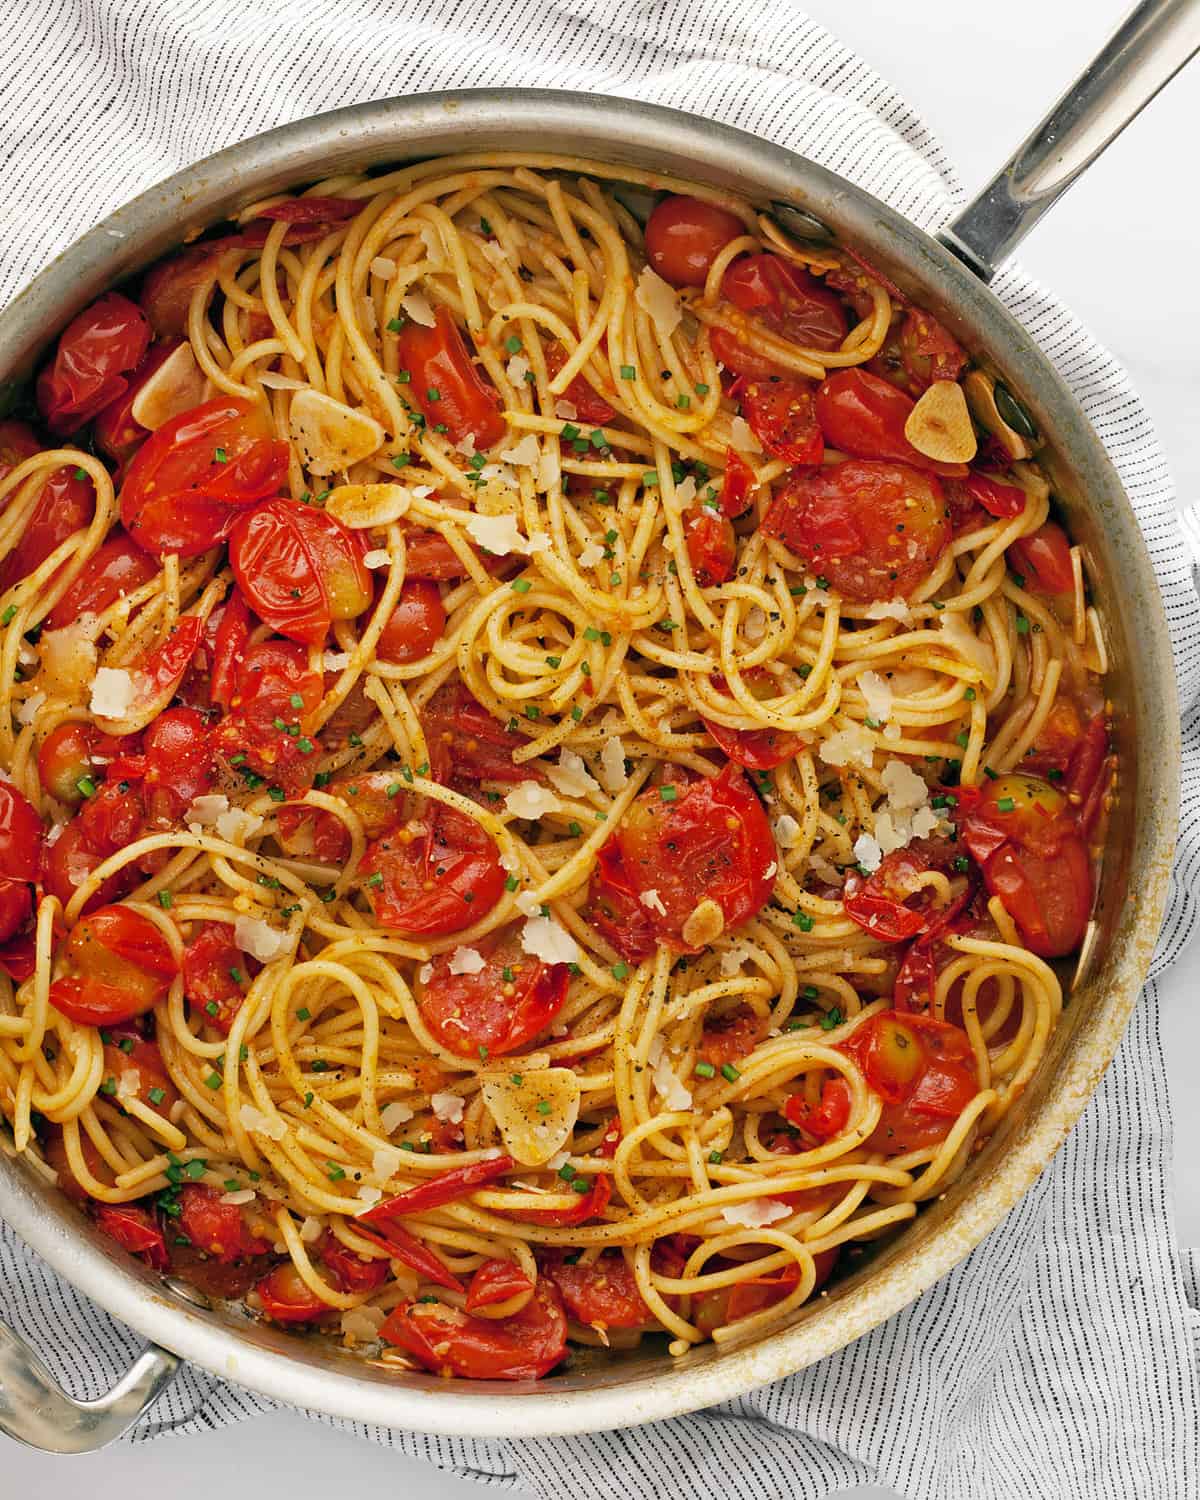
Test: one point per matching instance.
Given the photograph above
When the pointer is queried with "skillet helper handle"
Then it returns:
(1143, 55)
(35, 1410)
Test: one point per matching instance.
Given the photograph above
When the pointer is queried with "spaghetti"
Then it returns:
(548, 760)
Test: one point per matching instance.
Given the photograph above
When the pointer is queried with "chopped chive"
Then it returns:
(716, 1157)
(574, 829)
(1022, 625)
(832, 1018)
(628, 372)
(212, 1008)
(220, 456)
(375, 880)
(164, 900)
(86, 786)
(620, 971)
(511, 883)
(705, 1070)
(156, 1095)
(513, 344)
(532, 711)
(702, 390)
(1005, 804)
(521, 585)
(554, 661)
(729, 1073)
(668, 793)
(395, 325)
(650, 478)
(9, 615)
(567, 1171)
(335, 1172)
(213, 1081)
(803, 921)
(303, 1014)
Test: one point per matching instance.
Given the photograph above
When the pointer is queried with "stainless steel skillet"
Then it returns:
(948, 276)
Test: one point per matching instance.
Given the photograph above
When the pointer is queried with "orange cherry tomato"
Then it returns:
(216, 975)
(782, 417)
(465, 743)
(788, 299)
(66, 505)
(711, 545)
(416, 624)
(215, 1228)
(590, 405)
(446, 387)
(1044, 558)
(117, 568)
(502, 1007)
(135, 1229)
(603, 1292)
(496, 1281)
(755, 749)
(707, 839)
(298, 568)
(136, 1066)
(874, 530)
(190, 480)
(864, 416)
(924, 1071)
(115, 430)
(96, 353)
(685, 235)
(436, 875)
(287, 1298)
(523, 1347)
(124, 967)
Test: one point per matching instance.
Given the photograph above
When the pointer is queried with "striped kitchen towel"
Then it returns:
(1056, 1362)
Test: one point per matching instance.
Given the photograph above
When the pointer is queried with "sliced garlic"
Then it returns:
(939, 426)
(535, 1115)
(705, 925)
(362, 506)
(331, 436)
(176, 386)
(980, 390)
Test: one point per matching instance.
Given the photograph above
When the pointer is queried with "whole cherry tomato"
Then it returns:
(124, 967)
(117, 568)
(502, 1007)
(136, 1065)
(179, 762)
(788, 299)
(523, 1347)
(299, 568)
(106, 822)
(445, 385)
(216, 1228)
(66, 505)
(272, 676)
(685, 235)
(864, 416)
(96, 353)
(416, 624)
(1044, 557)
(436, 875)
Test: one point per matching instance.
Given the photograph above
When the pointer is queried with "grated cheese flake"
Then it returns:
(259, 939)
(531, 800)
(238, 824)
(658, 299)
(206, 810)
(394, 1115)
(868, 853)
(612, 764)
(467, 961)
(543, 937)
(497, 534)
(742, 438)
(272, 1126)
(571, 776)
(526, 454)
(417, 307)
(112, 693)
(652, 901)
(755, 1213)
(853, 745)
(878, 693)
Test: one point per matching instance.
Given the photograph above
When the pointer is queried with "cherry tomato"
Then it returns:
(685, 235)
(711, 545)
(781, 415)
(117, 568)
(741, 359)
(436, 875)
(602, 1293)
(18, 441)
(1089, 774)
(864, 416)
(135, 1229)
(428, 555)
(496, 1281)
(755, 749)
(272, 675)
(158, 675)
(590, 405)
(66, 505)
(929, 351)
(312, 209)
(735, 488)
(138, 1069)
(416, 624)
(287, 1298)
(789, 300)
(105, 823)
(350, 1272)
(874, 530)
(1029, 848)
(54, 1150)
(179, 762)
(588, 1205)
(311, 833)
(21, 842)
(18, 956)
(732, 1303)
(1044, 558)
(502, 1007)
(728, 1038)
(96, 353)
(446, 386)
(189, 481)
(124, 967)
(523, 1347)
(229, 644)
(218, 1229)
(999, 499)
(923, 1069)
(706, 840)
(167, 290)
(298, 568)
(465, 742)
(822, 1121)
(882, 904)
(115, 430)
(211, 959)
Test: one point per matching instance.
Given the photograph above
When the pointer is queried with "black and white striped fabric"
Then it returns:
(1057, 1360)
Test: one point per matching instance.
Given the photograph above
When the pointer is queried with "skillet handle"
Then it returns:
(35, 1410)
(1140, 58)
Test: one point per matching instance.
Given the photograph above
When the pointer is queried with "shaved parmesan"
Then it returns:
(517, 369)
(526, 454)
(369, 1196)
(311, 1230)
(741, 437)
(259, 939)
(361, 506)
(967, 644)
(612, 764)
(571, 776)
(733, 958)
(868, 853)
(272, 1126)
(652, 901)
(542, 937)
(497, 534)
(670, 1090)
(361, 1325)
(378, 557)
(425, 973)
(756, 1213)
(685, 493)
(416, 305)
(176, 386)
(466, 961)
(386, 1161)
(567, 410)
(112, 693)
(383, 267)
(68, 658)
(591, 556)
(433, 244)
(236, 1199)
(659, 301)
(536, 1115)
(905, 789)
(850, 746)
(30, 707)
(447, 1107)
(206, 810)
(754, 626)
(331, 436)
(787, 831)
(529, 800)
(878, 694)
(889, 609)
(336, 661)
(237, 824)
(275, 381)
(395, 1114)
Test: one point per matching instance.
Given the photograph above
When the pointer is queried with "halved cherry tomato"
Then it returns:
(299, 568)
(18, 956)
(211, 959)
(685, 235)
(523, 1347)
(287, 1298)
(416, 624)
(893, 904)
(21, 842)
(465, 743)
(756, 749)
(117, 568)
(124, 967)
(999, 499)
(735, 488)
(930, 352)
(590, 405)
(116, 431)
(229, 646)
(711, 545)
(1029, 848)
(135, 1229)
(96, 352)
(729, 1038)
(1044, 558)
(136, 1064)
(781, 415)
(822, 1121)
(157, 676)
(434, 1192)
(218, 1229)
(864, 416)
(166, 293)
(740, 358)
(789, 300)
(66, 505)
(312, 209)
(709, 840)
(349, 1272)
(436, 875)
(588, 1205)
(875, 530)
(496, 1281)
(500, 1008)
(923, 1069)
(189, 481)
(179, 762)
(446, 386)
(54, 1150)
(427, 554)
(272, 675)
(602, 1293)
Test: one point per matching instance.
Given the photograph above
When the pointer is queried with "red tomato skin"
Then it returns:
(105, 823)
(854, 524)
(496, 1281)
(729, 1038)
(166, 293)
(416, 624)
(229, 645)
(685, 235)
(782, 416)
(738, 482)
(288, 558)
(740, 358)
(271, 674)
(467, 1011)
(287, 1299)
(877, 903)
(603, 1291)
(1000, 500)
(465, 743)
(590, 405)
(115, 430)
(209, 958)
(218, 1229)
(929, 351)
(428, 869)
(863, 415)
(125, 967)
(90, 1002)
(96, 352)
(824, 1121)
(135, 1229)
(117, 568)
(711, 545)
(18, 441)
(920, 1111)
(312, 209)
(438, 360)
(791, 301)
(179, 496)
(179, 762)
(589, 1205)
(1044, 558)
(138, 1062)
(754, 749)
(349, 1272)
(21, 835)
(66, 505)
(524, 1347)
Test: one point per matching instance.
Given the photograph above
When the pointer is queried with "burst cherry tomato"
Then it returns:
(929, 351)
(789, 300)
(446, 386)
(755, 749)
(465, 742)
(893, 903)
(350, 1272)
(190, 480)
(287, 1298)
(602, 1293)
(523, 1347)
(96, 353)
(729, 1038)
(1044, 558)
(1029, 848)
(590, 405)
(117, 432)
(117, 568)
(740, 358)
(271, 676)
(434, 876)
(711, 545)
(105, 823)
(18, 441)
(228, 643)
(730, 1304)
(864, 416)
(416, 624)
(875, 530)
(137, 1066)
(312, 833)
(824, 1120)
(705, 840)
(166, 294)
(179, 762)
(496, 1281)
(66, 505)
(299, 568)
(923, 1069)
(312, 209)
(210, 961)
(135, 1229)
(218, 1229)
(499, 1009)
(587, 1205)
(781, 416)
(124, 967)
(685, 235)
(735, 488)
(21, 837)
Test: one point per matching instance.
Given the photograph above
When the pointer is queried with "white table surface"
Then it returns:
(981, 75)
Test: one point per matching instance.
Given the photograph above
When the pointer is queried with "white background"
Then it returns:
(1122, 250)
